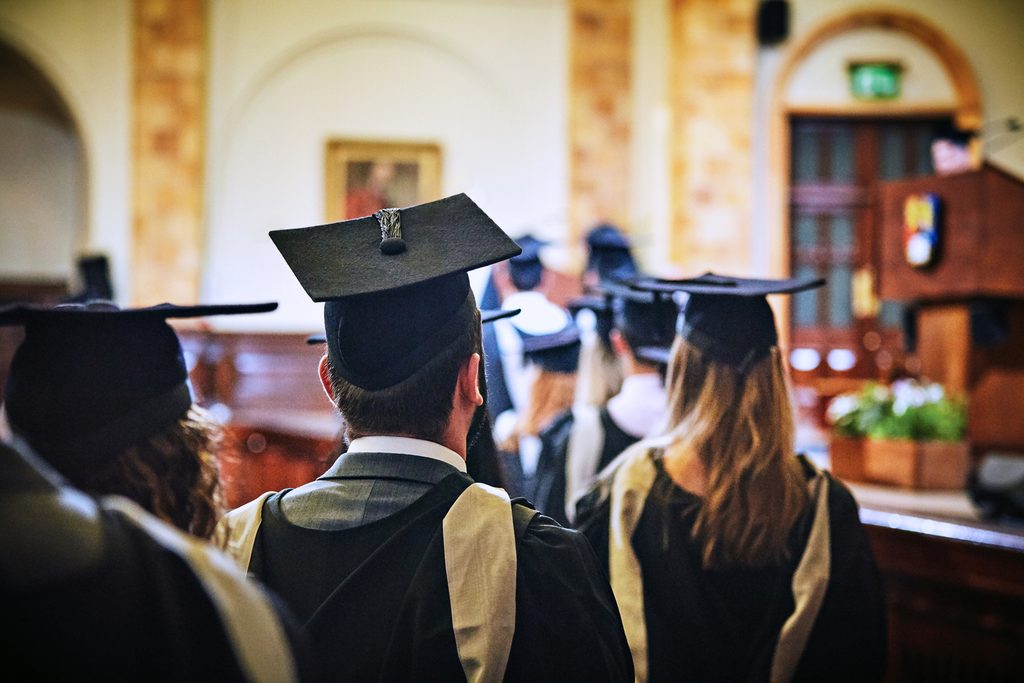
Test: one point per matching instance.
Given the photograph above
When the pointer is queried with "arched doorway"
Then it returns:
(42, 183)
(42, 192)
(827, 153)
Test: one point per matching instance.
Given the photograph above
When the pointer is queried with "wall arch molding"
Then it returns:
(51, 68)
(966, 111)
(327, 39)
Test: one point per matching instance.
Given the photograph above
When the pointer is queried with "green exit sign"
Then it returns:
(875, 80)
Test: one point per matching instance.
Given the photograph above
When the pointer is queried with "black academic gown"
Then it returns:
(549, 486)
(498, 397)
(107, 600)
(723, 625)
(374, 599)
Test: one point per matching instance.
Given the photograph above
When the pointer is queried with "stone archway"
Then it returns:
(43, 178)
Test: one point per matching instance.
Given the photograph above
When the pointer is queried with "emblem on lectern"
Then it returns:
(921, 229)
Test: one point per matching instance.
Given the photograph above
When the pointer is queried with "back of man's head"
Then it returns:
(419, 406)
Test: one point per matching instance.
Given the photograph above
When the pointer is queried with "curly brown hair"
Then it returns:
(171, 473)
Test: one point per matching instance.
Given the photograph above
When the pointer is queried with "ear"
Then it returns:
(325, 379)
(468, 385)
(619, 344)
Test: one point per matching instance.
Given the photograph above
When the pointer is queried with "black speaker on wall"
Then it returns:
(772, 22)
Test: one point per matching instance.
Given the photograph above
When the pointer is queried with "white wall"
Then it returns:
(83, 47)
(650, 172)
(485, 79)
(41, 189)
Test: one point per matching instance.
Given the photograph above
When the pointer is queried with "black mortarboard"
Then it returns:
(728, 318)
(646, 319)
(550, 338)
(600, 306)
(526, 268)
(395, 283)
(609, 253)
(93, 378)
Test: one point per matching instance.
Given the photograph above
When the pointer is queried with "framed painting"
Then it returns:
(364, 176)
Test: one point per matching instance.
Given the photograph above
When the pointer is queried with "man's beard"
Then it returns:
(480, 414)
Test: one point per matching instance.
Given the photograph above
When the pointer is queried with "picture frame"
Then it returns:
(365, 175)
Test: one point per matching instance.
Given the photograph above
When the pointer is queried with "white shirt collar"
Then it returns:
(407, 446)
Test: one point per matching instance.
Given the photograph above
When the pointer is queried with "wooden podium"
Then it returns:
(970, 322)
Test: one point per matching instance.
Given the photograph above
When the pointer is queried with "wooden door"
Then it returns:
(843, 330)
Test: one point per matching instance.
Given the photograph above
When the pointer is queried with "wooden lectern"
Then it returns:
(970, 321)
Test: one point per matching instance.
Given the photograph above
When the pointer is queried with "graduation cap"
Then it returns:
(550, 338)
(600, 307)
(92, 378)
(728, 318)
(647, 320)
(609, 253)
(486, 316)
(394, 283)
(526, 268)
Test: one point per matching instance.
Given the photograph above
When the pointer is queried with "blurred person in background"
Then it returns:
(550, 343)
(99, 589)
(581, 442)
(103, 396)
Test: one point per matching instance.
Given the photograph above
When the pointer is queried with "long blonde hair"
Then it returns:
(740, 427)
(551, 394)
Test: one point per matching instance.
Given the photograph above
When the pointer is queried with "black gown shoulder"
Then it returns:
(724, 624)
(549, 485)
(567, 623)
(549, 493)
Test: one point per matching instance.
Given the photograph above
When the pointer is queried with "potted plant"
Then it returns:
(910, 434)
(852, 415)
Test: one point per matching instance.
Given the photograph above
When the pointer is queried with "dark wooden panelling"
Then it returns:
(980, 233)
(281, 429)
(956, 610)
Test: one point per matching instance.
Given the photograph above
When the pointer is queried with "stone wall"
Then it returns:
(167, 180)
(712, 64)
(599, 113)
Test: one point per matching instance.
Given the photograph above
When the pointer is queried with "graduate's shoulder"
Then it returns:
(597, 499)
(842, 505)
(535, 530)
(546, 548)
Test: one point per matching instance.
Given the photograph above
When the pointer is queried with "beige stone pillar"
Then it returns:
(167, 147)
(712, 97)
(599, 113)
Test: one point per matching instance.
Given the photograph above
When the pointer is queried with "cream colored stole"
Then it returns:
(631, 484)
(810, 581)
(236, 531)
(582, 455)
(252, 626)
(480, 561)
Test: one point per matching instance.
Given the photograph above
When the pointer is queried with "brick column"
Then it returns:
(712, 96)
(167, 147)
(599, 113)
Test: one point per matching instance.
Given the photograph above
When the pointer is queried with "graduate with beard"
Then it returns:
(397, 563)
(732, 558)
